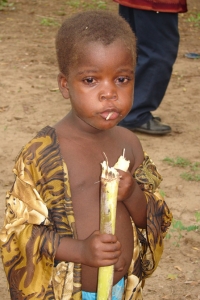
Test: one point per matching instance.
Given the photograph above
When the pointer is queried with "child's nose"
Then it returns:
(108, 93)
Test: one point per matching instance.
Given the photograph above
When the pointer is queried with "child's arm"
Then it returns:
(133, 198)
(149, 208)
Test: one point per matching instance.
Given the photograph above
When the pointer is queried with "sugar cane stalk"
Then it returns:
(109, 191)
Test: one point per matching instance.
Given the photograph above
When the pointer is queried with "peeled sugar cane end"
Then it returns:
(108, 172)
(122, 163)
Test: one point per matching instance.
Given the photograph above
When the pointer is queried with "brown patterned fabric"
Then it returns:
(171, 6)
(39, 213)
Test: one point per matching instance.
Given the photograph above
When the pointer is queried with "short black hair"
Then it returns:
(91, 26)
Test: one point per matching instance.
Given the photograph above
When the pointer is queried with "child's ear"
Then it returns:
(63, 85)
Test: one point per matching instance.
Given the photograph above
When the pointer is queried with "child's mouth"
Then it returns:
(110, 115)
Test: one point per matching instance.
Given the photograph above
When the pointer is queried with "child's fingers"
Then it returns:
(108, 262)
(112, 247)
(126, 186)
(108, 238)
(109, 257)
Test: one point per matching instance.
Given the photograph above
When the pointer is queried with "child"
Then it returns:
(51, 244)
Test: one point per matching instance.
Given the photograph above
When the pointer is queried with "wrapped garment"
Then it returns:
(39, 213)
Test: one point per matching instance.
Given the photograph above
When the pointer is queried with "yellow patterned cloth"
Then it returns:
(39, 213)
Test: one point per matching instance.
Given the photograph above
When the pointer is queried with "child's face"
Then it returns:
(100, 84)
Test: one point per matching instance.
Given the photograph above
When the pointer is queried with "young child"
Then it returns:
(51, 244)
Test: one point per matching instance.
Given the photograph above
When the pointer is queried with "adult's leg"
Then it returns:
(157, 42)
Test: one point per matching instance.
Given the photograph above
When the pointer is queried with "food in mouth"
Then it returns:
(109, 115)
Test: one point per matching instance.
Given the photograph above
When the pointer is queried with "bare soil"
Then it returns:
(30, 100)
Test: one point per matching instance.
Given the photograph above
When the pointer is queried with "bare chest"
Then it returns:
(84, 167)
(84, 170)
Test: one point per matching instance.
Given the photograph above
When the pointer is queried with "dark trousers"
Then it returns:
(157, 46)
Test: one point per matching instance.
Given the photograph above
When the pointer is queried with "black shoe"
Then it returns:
(153, 126)
(127, 126)
(157, 118)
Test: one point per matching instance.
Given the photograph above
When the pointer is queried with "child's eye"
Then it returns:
(89, 80)
(123, 79)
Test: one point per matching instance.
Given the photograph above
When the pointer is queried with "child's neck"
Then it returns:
(74, 126)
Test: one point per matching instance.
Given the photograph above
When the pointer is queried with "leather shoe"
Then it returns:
(157, 118)
(153, 126)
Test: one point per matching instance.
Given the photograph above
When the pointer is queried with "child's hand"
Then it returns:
(100, 250)
(126, 185)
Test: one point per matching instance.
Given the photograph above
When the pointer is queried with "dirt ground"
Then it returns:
(30, 100)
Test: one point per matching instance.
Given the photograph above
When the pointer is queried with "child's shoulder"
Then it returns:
(126, 135)
(46, 137)
(129, 141)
